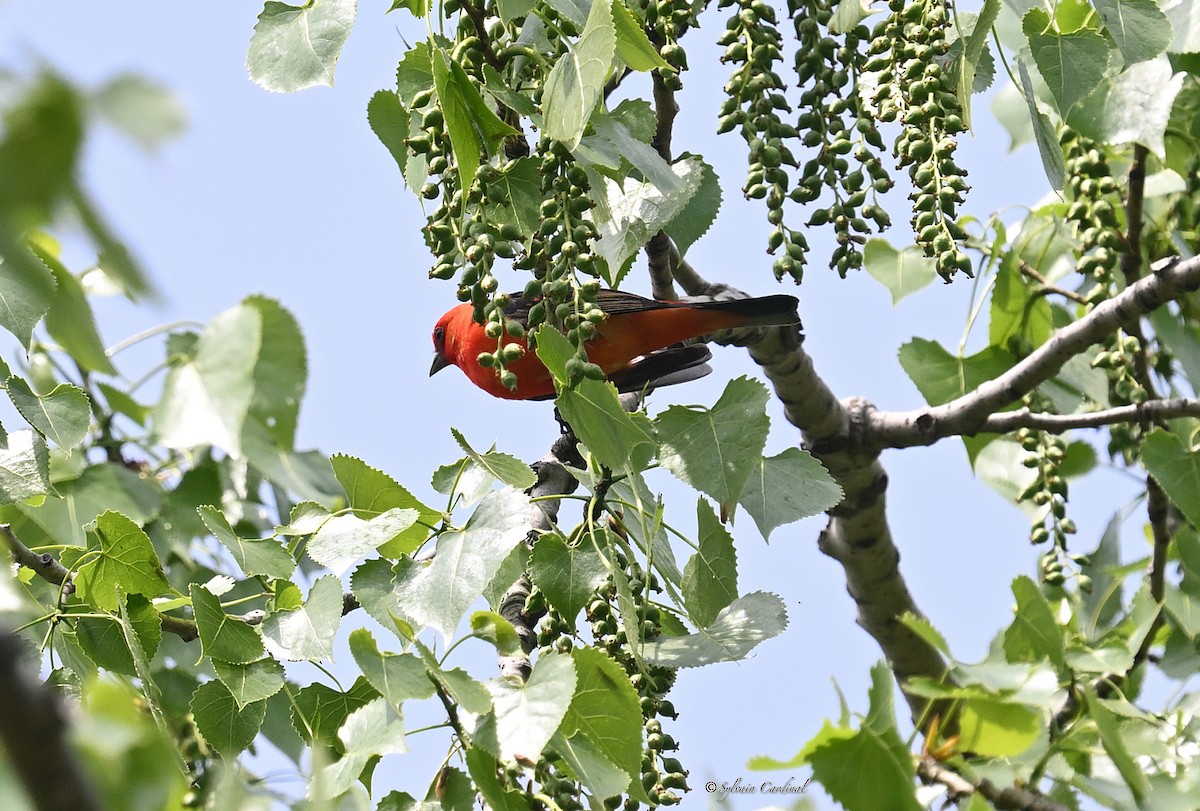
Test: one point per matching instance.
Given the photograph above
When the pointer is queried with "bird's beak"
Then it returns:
(439, 362)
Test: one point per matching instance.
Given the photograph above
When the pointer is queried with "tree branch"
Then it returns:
(1010, 798)
(967, 415)
(857, 534)
(661, 254)
(33, 729)
(553, 480)
(1029, 271)
(46, 566)
(1149, 411)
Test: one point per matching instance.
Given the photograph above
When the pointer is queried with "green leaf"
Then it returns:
(998, 728)
(512, 10)
(251, 681)
(344, 540)
(221, 636)
(419, 8)
(1109, 727)
(306, 633)
(280, 372)
(70, 320)
(102, 642)
(390, 122)
(1139, 27)
(125, 563)
(63, 414)
(508, 469)
(848, 14)
(26, 292)
(1134, 105)
(633, 211)
(1176, 469)
(373, 584)
(147, 112)
(227, 727)
(42, 135)
(468, 480)
(589, 766)
(788, 487)
(527, 715)
(24, 467)
(1185, 19)
(1072, 65)
(567, 575)
(257, 556)
(1015, 310)
(710, 576)
(295, 47)
(875, 749)
(970, 61)
(573, 87)
(319, 711)
(618, 440)
(207, 395)
(437, 594)
(715, 450)
(397, 677)
(737, 630)
(1034, 633)
(483, 769)
(942, 377)
(474, 128)
(701, 209)
(901, 272)
(514, 196)
(491, 627)
(605, 711)
(1044, 133)
(98, 488)
(304, 474)
(371, 492)
(371, 731)
(633, 46)
(1184, 608)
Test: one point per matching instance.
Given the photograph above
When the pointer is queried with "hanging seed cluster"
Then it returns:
(834, 123)
(663, 777)
(1093, 212)
(755, 104)
(915, 89)
(667, 21)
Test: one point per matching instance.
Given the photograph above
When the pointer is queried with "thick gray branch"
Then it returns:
(968, 414)
(857, 534)
(46, 566)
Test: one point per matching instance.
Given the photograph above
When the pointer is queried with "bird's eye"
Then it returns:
(439, 339)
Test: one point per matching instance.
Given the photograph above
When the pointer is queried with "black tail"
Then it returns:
(764, 311)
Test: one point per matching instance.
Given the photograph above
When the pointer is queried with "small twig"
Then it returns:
(1029, 271)
(1158, 512)
(1149, 411)
(46, 566)
(1009, 798)
(33, 730)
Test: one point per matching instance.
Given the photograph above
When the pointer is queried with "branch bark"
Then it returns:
(857, 534)
(968, 415)
(1149, 411)
(1009, 798)
(553, 480)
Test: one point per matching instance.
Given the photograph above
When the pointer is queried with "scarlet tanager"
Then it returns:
(636, 344)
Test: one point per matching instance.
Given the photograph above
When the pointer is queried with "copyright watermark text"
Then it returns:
(722, 789)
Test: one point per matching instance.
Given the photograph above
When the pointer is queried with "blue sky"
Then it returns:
(293, 197)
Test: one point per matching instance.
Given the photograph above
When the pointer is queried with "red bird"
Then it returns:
(636, 344)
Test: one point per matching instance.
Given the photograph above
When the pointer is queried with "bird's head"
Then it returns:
(441, 358)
